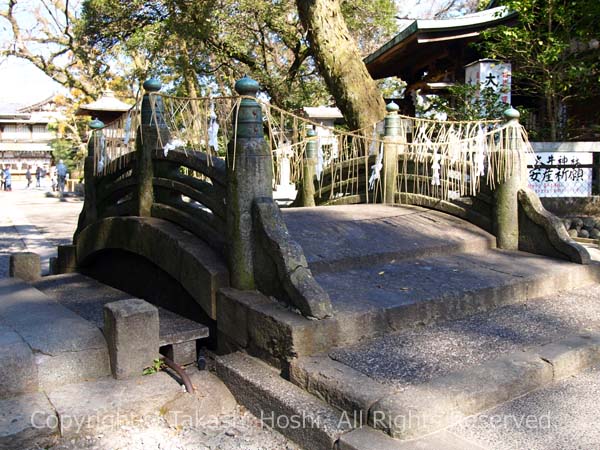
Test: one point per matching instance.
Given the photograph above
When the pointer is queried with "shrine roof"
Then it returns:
(407, 46)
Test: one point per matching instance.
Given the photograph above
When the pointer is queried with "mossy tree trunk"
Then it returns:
(340, 63)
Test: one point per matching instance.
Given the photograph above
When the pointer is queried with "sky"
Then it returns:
(22, 82)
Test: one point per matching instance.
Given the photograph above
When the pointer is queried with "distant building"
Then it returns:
(24, 135)
(431, 55)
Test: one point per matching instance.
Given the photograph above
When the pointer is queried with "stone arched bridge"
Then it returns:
(280, 283)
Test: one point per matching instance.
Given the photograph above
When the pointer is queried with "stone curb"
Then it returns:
(279, 404)
(444, 401)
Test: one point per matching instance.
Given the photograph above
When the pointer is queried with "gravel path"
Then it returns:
(563, 416)
(240, 431)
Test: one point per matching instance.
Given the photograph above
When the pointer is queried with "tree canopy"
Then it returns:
(203, 45)
(555, 54)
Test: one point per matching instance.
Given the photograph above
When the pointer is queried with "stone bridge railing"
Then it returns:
(228, 202)
(474, 170)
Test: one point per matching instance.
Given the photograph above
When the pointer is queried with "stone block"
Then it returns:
(571, 355)
(72, 366)
(18, 373)
(25, 265)
(67, 259)
(337, 384)
(414, 412)
(477, 388)
(131, 329)
(183, 353)
(27, 421)
(279, 404)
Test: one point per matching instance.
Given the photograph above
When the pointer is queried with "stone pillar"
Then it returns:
(131, 329)
(89, 213)
(309, 169)
(249, 176)
(66, 261)
(506, 211)
(390, 153)
(25, 265)
(147, 142)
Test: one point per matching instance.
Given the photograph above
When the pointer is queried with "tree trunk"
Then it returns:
(340, 63)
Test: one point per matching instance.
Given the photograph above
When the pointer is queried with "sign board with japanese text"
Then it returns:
(559, 174)
(491, 73)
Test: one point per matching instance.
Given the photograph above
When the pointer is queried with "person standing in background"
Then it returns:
(61, 175)
(38, 176)
(28, 176)
(7, 179)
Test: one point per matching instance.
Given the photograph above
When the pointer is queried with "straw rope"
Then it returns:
(441, 159)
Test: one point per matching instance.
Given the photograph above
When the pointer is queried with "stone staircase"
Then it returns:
(432, 324)
(55, 371)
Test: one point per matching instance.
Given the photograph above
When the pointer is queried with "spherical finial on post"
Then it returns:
(392, 120)
(392, 108)
(152, 108)
(249, 114)
(247, 86)
(511, 114)
(152, 85)
(96, 124)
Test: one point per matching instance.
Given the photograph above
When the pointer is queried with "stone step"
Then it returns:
(338, 238)
(292, 411)
(415, 410)
(87, 297)
(51, 340)
(400, 293)
(375, 301)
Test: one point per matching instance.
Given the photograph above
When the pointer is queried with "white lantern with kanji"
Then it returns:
(490, 73)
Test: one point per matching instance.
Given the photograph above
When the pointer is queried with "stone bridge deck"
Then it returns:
(341, 237)
(388, 267)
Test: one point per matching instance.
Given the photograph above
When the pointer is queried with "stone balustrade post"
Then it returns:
(90, 168)
(147, 142)
(249, 177)
(506, 211)
(390, 153)
(309, 169)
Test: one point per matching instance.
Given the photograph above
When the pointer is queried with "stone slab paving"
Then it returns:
(417, 355)
(87, 297)
(66, 348)
(406, 282)
(31, 221)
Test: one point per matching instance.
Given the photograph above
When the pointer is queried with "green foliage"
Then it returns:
(156, 366)
(64, 149)
(555, 54)
(392, 87)
(466, 102)
(201, 48)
